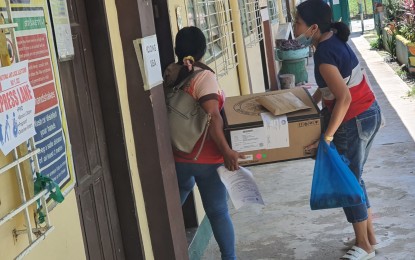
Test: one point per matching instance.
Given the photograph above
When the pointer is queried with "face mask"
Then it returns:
(304, 40)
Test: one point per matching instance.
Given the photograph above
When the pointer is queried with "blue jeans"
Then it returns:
(214, 198)
(353, 139)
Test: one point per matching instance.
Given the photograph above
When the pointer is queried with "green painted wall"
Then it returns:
(340, 11)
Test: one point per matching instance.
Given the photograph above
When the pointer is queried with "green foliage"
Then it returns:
(411, 92)
(406, 25)
(407, 31)
(376, 44)
(391, 43)
(392, 10)
(402, 73)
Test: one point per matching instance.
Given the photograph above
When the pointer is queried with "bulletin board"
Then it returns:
(36, 44)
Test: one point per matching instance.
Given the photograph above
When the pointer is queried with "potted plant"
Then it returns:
(290, 50)
(389, 40)
(405, 45)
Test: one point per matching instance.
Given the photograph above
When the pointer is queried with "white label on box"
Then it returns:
(248, 139)
(276, 131)
(248, 157)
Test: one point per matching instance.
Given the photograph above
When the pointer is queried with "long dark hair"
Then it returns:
(318, 12)
(190, 41)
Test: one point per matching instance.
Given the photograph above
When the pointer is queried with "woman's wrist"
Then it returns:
(328, 138)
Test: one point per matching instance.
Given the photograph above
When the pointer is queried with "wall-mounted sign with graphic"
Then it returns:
(17, 106)
(36, 50)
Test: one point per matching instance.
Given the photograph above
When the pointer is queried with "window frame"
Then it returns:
(251, 22)
(273, 11)
(215, 20)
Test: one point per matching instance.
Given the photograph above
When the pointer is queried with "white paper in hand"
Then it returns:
(241, 186)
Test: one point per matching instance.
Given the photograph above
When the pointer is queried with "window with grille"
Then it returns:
(251, 22)
(215, 21)
(273, 11)
(284, 8)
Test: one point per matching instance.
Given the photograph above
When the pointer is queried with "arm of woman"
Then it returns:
(216, 133)
(339, 89)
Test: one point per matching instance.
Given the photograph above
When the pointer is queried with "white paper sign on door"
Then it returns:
(148, 56)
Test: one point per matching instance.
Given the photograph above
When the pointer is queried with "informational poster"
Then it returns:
(17, 106)
(36, 48)
(32, 42)
(62, 29)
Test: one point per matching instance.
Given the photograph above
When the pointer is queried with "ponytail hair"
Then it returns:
(190, 48)
(342, 31)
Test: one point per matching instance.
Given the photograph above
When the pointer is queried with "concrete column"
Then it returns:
(243, 68)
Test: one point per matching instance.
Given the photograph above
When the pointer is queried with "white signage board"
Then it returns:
(264, 14)
(148, 56)
(17, 106)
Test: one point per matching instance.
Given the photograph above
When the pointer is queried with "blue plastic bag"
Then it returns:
(334, 184)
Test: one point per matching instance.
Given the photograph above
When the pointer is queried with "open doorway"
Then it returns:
(357, 8)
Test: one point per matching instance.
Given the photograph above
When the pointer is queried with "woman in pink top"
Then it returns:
(190, 49)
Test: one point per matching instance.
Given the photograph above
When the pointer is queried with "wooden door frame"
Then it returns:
(151, 135)
(113, 128)
(166, 46)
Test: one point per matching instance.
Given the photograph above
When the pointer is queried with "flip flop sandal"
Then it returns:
(356, 253)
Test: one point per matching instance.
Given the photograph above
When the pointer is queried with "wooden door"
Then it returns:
(94, 189)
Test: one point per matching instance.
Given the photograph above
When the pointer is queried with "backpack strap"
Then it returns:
(186, 80)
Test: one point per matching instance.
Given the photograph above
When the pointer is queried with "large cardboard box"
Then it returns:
(245, 131)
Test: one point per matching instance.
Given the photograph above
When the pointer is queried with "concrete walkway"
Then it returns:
(286, 228)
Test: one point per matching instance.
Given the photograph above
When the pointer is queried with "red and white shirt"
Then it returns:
(335, 52)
